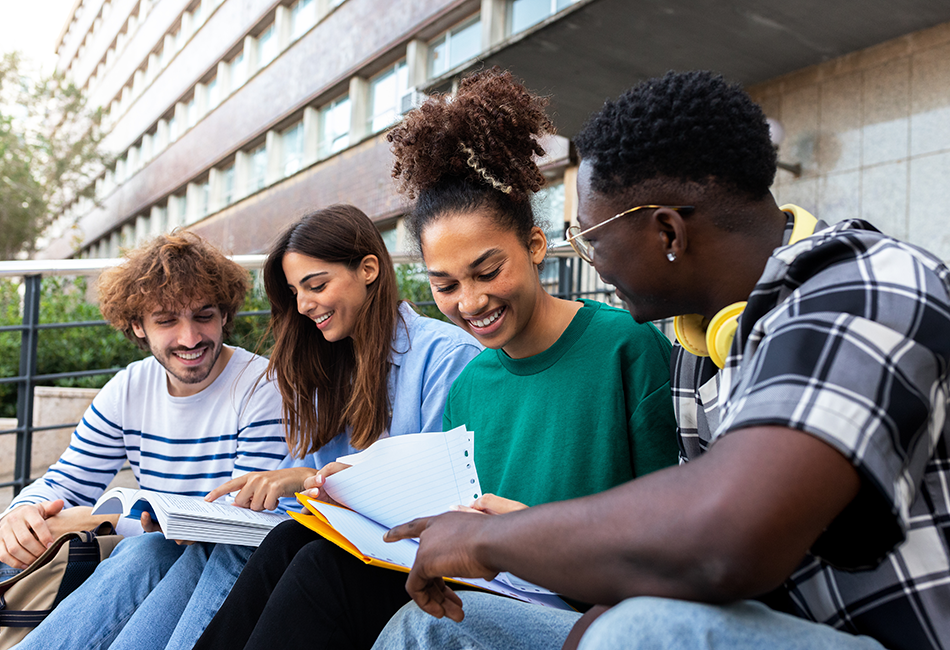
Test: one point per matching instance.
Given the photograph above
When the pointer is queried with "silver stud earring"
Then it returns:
(671, 256)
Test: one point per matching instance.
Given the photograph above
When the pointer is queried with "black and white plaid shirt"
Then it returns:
(847, 337)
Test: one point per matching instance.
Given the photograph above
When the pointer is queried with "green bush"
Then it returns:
(414, 287)
(64, 300)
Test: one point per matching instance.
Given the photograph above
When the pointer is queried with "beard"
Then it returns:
(189, 374)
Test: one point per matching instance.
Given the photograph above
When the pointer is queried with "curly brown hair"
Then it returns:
(173, 272)
(473, 150)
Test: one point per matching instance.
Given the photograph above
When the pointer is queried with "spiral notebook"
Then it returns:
(394, 481)
(398, 479)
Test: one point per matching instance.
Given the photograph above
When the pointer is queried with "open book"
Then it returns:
(394, 481)
(191, 518)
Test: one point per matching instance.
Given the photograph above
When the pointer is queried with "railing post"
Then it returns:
(564, 284)
(24, 401)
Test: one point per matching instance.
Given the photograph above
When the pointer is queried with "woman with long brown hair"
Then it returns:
(352, 363)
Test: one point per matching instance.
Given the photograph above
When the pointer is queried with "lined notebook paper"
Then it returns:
(397, 480)
(404, 477)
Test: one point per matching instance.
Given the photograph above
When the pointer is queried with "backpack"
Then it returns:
(28, 597)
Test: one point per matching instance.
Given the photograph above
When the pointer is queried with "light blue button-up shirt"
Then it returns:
(427, 356)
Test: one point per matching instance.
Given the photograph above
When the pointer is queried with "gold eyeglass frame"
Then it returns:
(575, 236)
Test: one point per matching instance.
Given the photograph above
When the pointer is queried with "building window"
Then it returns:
(120, 170)
(334, 127)
(202, 197)
(214, 94)
(159, 220)
(522, 14)
(197, 17)
(455, 47)
(303, 16)
(173, 43)
(227, 185)
(177, 204)
(173, 128)
(549, 207)
(385, 96)
(191, 113)
(237, 71)
(292, 148)
(257, 172)
(147, 143)
(390, 239)
(266, 46)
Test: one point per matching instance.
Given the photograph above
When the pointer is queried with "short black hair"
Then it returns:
(686, 126)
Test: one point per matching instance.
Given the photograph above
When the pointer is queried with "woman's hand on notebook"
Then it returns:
(313, 486)
(491, 504)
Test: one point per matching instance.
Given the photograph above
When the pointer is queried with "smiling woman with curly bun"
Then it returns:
(469, 163)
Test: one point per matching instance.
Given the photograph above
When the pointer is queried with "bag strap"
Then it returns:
(83, 560)
(42, 560)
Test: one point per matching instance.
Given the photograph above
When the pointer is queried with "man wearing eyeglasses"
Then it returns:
(815, 469)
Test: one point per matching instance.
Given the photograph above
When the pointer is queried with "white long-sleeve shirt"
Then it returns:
(182, 445)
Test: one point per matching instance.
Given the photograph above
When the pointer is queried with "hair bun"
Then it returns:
(487, 133)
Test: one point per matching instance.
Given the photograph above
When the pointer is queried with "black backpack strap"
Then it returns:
(83, 560)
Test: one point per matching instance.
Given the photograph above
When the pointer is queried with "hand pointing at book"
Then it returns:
(261, 490)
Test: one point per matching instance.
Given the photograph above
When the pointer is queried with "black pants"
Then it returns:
(300, 591)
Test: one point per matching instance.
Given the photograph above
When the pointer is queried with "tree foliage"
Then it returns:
(414, 286)
(50, 152)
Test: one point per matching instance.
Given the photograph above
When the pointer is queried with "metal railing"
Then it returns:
(565, 276)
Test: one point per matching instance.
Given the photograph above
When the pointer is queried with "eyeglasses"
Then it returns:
(585, 250)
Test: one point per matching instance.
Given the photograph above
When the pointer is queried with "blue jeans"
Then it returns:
(7, 571)
(92, 616)
(490, 622)
(222, 570)
(644, 623)
(155, 594)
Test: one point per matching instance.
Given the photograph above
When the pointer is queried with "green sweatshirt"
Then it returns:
(592, 411)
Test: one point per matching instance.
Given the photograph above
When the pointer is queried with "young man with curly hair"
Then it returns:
(190, 417)
(815, 464)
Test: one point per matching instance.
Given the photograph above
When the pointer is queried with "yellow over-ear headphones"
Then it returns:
(714, 338)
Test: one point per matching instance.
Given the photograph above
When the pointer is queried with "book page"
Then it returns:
(367, 535)
(196, 507)
(522, 585)
(404, 477)
(116, 501)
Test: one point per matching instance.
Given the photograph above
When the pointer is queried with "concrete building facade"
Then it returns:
(234, 117)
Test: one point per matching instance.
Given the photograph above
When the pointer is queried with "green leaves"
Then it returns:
(414, 287)
(49, 153)
(62, 300)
